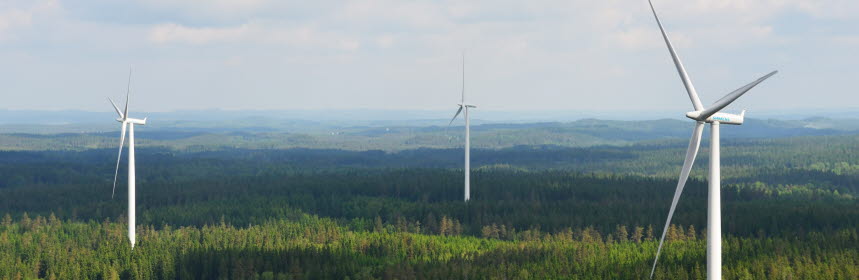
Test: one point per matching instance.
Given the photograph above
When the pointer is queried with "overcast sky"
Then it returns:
(378, 54)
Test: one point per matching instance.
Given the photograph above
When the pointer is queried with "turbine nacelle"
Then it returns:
(722, 118)
(461, 106)
(135, 121)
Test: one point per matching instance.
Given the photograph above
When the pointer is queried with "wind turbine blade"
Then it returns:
(691, 153)
(118, 157)
(725, 101)
(463, 77)
(116, 108)
(456, 115)
(128, 92)
(687, 82)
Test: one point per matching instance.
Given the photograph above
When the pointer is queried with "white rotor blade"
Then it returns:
(116, 108)
(127, 92)
(725, 101)
(691, 153)
(463, 77)
(118, 157)
(456, 115)
(687, 82)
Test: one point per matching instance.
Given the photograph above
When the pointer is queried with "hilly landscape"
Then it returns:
(583, 199)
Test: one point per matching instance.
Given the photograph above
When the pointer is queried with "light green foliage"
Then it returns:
(314, 248)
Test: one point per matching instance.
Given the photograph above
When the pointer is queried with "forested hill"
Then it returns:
(394, 136)
(331, 214)
(581, 200)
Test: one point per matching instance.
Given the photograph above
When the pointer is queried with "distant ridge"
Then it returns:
(357, 117)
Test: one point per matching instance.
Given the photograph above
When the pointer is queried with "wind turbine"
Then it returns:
(464, 107)
(714, 117)
(129, 123)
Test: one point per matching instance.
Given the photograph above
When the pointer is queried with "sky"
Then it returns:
(576, 55)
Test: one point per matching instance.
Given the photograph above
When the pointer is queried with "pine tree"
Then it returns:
(25, 221)
(621, 234)
(445, 227)
(486, 232)
(53, 221)
(648, 236)
(431, 223)
(7, 220)
(637, 234)
(378, 226)
(457, 227)
(672, 234)
(495, 231)
(691, 234)
(416, 228)
(402, 225)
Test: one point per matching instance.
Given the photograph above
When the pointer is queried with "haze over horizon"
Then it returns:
(604, 56)
(357, 117)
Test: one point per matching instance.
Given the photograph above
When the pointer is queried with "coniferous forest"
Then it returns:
(790, 210)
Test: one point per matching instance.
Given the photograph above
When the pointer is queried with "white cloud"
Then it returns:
(13, 19)
(220, 9)
(385, 41)
(831, 9)
(406, 52)
(410, 14)
(849, 40)
(22, 14)
(171, 32)
(637, 38)
(252, 33)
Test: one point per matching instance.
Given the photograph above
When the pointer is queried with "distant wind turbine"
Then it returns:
(714, 117)
(464, 107)
(129, 123)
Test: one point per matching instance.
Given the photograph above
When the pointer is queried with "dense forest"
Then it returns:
(790, 211)
(307, 247)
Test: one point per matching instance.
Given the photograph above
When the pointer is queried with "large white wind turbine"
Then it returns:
(464, 107)
(129, 123)
(714, 117)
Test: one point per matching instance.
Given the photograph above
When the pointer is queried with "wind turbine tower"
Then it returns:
(701, 115)
(128, 123)
(464, 107)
